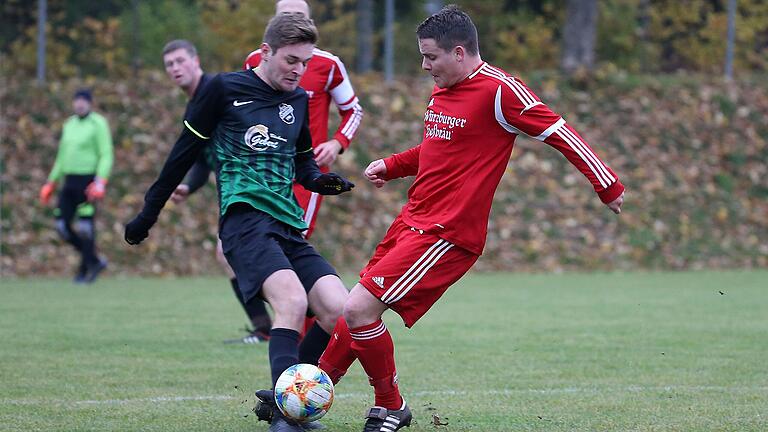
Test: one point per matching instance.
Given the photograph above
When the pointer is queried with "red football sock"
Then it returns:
(373, 346)
(338, 356)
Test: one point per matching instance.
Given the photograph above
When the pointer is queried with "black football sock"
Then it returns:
(88, 251)
(258, 314)
(313, 344)
(283, 351)
(86, 231)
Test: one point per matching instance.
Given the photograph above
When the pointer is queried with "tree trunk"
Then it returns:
(42, 19)
(389, 41)
(433, 6)
(364, 36)
(579, 35)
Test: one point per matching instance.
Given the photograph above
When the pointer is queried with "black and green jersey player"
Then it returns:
(182, 65)
(257, 123)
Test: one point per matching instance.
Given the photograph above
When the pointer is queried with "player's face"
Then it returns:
(444, 66)
(292, 6)
(81, 106)
(181, 67)
(284, 68)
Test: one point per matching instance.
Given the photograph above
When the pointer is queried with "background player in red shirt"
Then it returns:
(472, 119)
(326, 79)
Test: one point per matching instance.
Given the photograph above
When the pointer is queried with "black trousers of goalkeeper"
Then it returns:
(73, 202)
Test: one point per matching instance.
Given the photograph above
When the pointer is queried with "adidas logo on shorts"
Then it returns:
(378, 280)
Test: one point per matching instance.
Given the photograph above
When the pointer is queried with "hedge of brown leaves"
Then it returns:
(693, 154)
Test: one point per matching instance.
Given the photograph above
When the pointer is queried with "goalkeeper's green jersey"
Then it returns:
(85, 148)
(261, 141)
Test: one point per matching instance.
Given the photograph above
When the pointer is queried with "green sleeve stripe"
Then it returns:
(189, 126)
(305, 151)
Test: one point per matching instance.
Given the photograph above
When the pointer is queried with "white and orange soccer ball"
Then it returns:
(304, 392)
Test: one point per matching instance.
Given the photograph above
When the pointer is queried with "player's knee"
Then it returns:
(362, 308)
(291, 305)
(327, 299)
(85, 229)
(64, 230)
(356, 315)
(329, 314)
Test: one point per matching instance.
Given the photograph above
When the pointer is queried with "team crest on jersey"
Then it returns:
(286, 113)
(259, 139)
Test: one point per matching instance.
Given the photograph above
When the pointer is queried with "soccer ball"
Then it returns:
(304, 392)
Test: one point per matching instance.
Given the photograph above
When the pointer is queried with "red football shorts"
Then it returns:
(411, 269)
(310, 202)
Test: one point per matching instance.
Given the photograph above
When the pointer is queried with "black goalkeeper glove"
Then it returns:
(138, 229)
(331, 184)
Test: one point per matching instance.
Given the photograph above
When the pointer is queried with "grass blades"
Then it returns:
(500, 352)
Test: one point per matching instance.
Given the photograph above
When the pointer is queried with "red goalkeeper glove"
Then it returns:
(46, 192)
(95, 190)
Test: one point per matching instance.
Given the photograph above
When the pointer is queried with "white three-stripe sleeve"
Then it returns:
(540, 123)
(345, 99)
(596, 167)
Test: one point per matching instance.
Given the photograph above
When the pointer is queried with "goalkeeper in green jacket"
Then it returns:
(82, 166)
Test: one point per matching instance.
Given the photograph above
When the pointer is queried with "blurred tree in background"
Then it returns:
(692, 147)
(105, 38)
(146, 26)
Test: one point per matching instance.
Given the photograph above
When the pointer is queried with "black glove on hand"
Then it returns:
(138, 229)
(331, 184)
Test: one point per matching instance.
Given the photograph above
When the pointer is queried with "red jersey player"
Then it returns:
(325, 80)
(472, 119)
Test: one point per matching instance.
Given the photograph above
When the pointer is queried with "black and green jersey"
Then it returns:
(200, 172)
(261, 141)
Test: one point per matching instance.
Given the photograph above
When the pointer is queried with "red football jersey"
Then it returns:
(469, 131)
(325, 79)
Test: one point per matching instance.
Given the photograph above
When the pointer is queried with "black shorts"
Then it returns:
(257, 245)
(72, 196)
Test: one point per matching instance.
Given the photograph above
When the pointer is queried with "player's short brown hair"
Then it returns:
(450, 27)
(289, 29)
(180, 44)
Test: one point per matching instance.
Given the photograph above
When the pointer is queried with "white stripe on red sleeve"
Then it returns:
(564, 133)
(585, 152)
(499, 112)
(330, 77)
(350, 127)
(521, 92)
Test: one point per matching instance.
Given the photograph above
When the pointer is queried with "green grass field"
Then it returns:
(503, 352)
